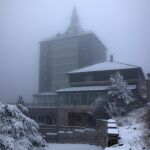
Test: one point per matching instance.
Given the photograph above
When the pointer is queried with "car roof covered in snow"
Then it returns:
(108, 65)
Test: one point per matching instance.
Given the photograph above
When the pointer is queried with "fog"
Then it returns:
(122, 25)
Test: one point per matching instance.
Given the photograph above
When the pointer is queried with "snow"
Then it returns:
(79, 130)
(112, 125)
(46, 94)
(131, 131)
(104, 66)
(90, 88)
(111, 121)
(113, 131)
(119, 97)
(18, 132)
(90, 129)
(73, 147)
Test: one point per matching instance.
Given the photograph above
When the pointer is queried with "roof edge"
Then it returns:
(73, 72)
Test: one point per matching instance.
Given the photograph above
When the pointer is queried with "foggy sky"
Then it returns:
(122, 25)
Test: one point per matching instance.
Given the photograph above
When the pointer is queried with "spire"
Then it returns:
(74, 23)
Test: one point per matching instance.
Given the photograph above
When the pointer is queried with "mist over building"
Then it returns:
(73, 49)
(73, 72)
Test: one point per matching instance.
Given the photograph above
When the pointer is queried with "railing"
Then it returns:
(60, 106)
(42, 105)
(55, 128)
(84, 83)
(90, 83)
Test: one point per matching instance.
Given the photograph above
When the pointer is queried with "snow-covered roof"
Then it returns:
(104, 66)
(45, 94)
(89, 88)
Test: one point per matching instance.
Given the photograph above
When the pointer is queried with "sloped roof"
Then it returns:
(90, 88)
(45, 94)
(104, 66)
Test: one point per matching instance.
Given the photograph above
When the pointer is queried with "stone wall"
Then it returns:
(78, 136)
(101, 127)
(68, 134)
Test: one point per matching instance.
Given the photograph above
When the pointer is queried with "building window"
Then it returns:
(40, 119)
(75, 98)
(90, 98)
(89, 77)
(79, 118)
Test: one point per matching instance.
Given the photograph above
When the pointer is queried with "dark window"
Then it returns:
(41, 119)
(89, 77)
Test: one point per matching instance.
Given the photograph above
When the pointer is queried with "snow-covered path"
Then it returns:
(131, 132)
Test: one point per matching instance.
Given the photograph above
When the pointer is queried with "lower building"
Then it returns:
(72, 106)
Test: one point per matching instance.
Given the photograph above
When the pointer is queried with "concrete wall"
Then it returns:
(63, 116)
(61, 55)
(67, 134)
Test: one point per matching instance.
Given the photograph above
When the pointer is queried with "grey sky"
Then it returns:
(122, 25)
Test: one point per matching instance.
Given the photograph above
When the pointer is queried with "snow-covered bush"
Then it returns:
(118, 96)
(18, 132)
(22, 108)
(119, 90)
(116, 100)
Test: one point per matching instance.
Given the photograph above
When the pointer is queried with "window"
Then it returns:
(75, 98)
(90, 98)
(40, 119)
(79, 118)
(89, 77)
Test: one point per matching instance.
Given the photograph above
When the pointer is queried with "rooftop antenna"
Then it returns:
(74, 23)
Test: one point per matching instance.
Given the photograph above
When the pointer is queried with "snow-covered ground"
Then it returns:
(131, 131)
(73, 147)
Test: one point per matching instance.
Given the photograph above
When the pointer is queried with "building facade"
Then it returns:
(73, 73)
(66, 52)
(89, 83)
(72, 105)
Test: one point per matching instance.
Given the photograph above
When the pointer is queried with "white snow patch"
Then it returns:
(73, 147)
(112, 125)
(111, 121)
(131, 132)
(79, 130)
(91, 88)
(104, 66)
(113, 131)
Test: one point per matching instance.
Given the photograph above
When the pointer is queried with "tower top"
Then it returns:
(74, 26)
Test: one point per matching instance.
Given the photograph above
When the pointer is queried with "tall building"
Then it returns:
(73, 73)
(74, 49)
(66, 52)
